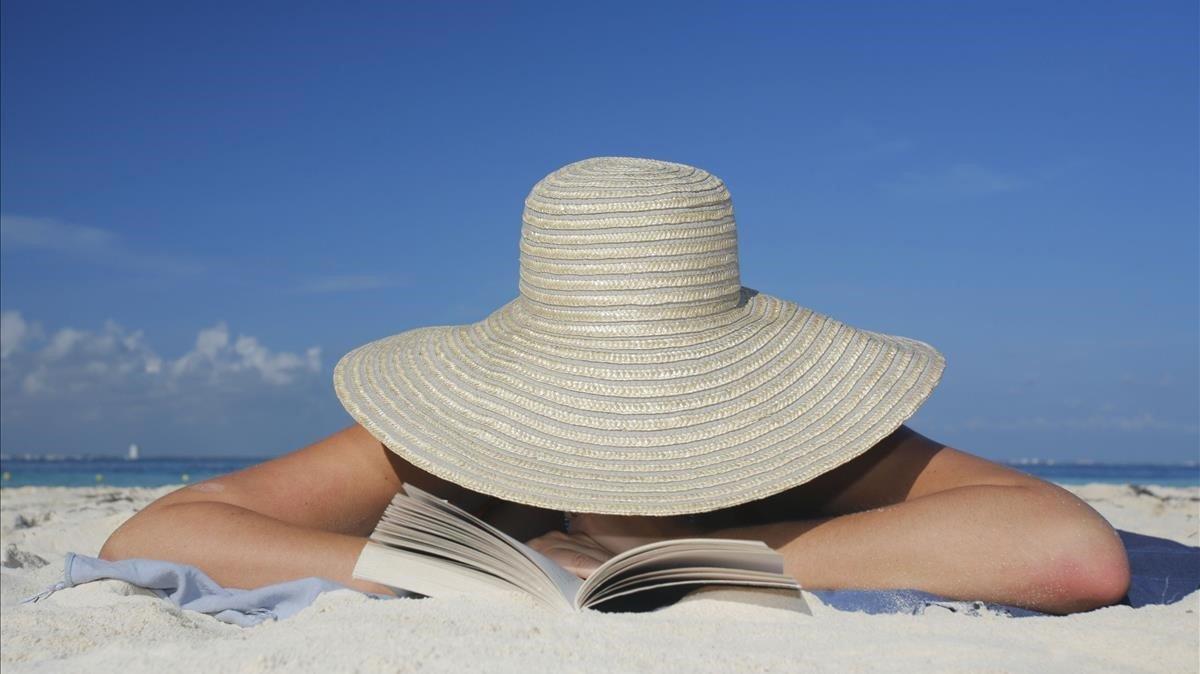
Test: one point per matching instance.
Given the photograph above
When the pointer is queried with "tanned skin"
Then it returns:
(908, 513)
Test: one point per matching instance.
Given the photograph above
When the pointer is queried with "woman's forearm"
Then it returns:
(979, 542)
(238, 547)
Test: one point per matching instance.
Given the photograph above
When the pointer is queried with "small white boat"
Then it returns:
(133, 453)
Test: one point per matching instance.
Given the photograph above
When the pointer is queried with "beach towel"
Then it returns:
(1163, 572)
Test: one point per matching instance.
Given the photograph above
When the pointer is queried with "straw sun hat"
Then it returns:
(633, 374)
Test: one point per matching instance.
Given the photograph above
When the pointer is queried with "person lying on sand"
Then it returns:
(635, 391)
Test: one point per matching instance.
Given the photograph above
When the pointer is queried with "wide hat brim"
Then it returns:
(755, 400)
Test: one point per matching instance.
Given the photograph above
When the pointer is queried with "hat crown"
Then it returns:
(613, 239)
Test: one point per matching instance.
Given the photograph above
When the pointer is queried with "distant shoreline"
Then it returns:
(158, 471)
(1032, 461)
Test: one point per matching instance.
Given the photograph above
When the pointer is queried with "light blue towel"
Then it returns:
(190, 588)
(1163, 572)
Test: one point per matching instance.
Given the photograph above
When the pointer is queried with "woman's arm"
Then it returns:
(1015, 545)
(918, 514)
(913, 513)
(303, 514)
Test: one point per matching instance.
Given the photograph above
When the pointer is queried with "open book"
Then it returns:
(429, 546)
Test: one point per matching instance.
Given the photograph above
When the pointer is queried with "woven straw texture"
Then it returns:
(633, 374)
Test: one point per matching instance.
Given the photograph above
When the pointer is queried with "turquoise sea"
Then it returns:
(158, 471)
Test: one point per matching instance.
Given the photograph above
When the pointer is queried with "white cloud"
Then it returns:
(81, 242)
(115, 361)
(957, 181)
(72, 361)
(15, 331)
(96, 389)
(216, 355)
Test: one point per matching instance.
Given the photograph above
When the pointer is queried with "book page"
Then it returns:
(661, 578)
(680, 573)
(519, 575)
(407, 521)
(565, 582)
(688, 553)
(423, 574)
(718, 559)
(783, 585)
(448, 545)
(428, 545)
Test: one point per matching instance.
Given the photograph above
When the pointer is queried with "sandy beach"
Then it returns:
(110, 626)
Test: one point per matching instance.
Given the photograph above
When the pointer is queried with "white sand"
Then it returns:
(107, 626)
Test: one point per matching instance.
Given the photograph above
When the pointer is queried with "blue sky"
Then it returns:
(205, 207)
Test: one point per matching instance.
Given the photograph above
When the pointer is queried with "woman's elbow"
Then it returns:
(1097, 575)
(1086, 563)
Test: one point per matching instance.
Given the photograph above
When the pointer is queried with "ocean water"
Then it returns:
(116, 472)
(159, 471)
